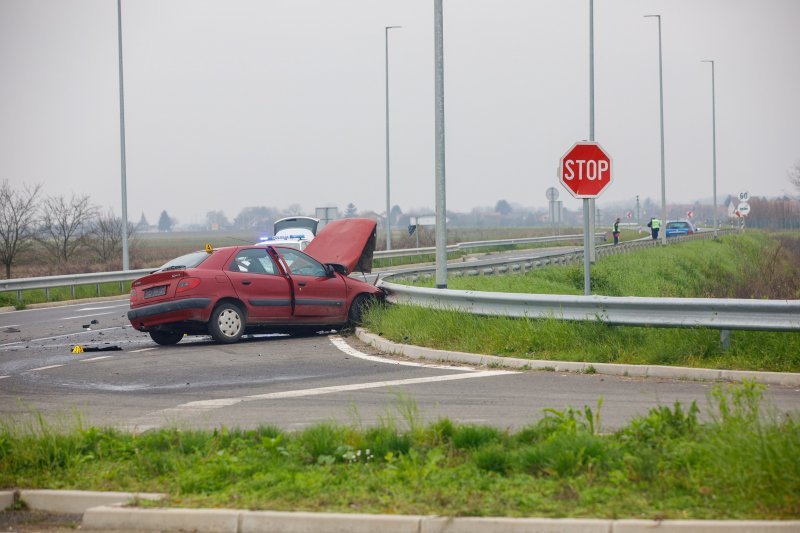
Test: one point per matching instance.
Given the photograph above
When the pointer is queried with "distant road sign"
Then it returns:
(689, 214)
(744, 196)
(585, 170)
(743, 209)
(629, 214)
(552, 193)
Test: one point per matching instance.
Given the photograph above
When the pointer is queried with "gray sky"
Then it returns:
(233, 103)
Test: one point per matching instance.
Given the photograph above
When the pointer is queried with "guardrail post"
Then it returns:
(725, 339)
(72, 291)
(19, 295)
(47, 293)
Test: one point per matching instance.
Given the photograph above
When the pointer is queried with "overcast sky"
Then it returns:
(233, 103)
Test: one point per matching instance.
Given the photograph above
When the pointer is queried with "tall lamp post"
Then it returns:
(388, 202)
(661, 106)
(441, 200)
(714, 137)
(125, 260)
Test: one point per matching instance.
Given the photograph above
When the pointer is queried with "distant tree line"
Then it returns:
(57, 229)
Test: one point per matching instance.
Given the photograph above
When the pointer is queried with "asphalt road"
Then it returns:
(291, 382)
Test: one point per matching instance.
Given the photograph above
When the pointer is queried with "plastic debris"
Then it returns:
(77, 349)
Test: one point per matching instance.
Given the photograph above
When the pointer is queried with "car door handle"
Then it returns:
(301, 283)
(246, 282)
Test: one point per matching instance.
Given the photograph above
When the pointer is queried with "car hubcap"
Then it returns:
(229, 323)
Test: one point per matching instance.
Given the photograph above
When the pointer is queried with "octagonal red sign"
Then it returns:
(585, 170)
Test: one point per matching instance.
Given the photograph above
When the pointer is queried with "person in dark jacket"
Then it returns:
(616, 232)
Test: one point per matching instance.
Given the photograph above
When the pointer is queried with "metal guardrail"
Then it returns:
(71, 281)
(716, 313)
(406, 252)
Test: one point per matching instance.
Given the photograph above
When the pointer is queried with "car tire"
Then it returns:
(356, 313)
(166, 337)
(227, 323)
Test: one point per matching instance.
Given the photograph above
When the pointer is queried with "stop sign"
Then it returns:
(585, 170)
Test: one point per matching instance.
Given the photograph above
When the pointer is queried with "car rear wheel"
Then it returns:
(360, 304)
(227, 323)
(166, 337)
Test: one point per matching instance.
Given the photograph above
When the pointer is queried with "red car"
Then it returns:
(227, 292)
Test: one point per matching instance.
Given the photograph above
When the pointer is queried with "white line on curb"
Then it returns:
(349, 350)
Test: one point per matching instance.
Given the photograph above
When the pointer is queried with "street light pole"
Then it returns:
(441, 204)
(714, 136)
(388, 203)
(661, 106)
(125, 260)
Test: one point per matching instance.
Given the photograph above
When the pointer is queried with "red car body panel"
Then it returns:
(277, 287)
(349, 242)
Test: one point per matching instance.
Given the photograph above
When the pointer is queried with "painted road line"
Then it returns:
(83, 332)
(87, 316)
(340, 343)
(97, 358)
(171, 415)
(126, 304)
(4, 377)
(43, 368)
(142, 350)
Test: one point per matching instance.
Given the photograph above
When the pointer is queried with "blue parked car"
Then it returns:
(678, 228)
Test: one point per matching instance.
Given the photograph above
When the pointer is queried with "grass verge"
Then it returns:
(751, 265)
(741, 463)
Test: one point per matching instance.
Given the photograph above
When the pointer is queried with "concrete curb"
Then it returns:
(116, 517)
(645, 371)
(78, 501)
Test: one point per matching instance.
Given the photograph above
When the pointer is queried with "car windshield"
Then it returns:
(185, 261)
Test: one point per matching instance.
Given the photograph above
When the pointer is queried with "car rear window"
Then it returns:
(185, 261)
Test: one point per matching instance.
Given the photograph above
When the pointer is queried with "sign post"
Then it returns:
(585, 171)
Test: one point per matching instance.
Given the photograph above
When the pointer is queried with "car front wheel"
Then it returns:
(227, 323)
(360, 304)
(166, 337)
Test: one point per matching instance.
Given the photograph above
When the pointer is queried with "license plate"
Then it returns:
(161, 290)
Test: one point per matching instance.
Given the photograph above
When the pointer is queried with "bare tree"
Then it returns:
(64, 224)
(17, 221)
(794, 176)
(104, 236)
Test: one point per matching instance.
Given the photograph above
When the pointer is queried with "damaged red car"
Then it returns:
(228, 292)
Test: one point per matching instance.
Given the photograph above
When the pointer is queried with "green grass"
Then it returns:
(740, 463)
(751, 265)
(60, 294)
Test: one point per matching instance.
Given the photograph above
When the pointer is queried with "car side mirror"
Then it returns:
(335, 268)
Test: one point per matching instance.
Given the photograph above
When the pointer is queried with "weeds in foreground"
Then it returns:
(739, 463)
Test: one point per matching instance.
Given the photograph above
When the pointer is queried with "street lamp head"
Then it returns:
(657, 16)
(707, 61)
(391, 27)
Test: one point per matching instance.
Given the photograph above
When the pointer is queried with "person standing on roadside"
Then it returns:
(654, 225)
(616, 232)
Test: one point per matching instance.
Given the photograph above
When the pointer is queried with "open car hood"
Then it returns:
(305, 225)
(348, 241)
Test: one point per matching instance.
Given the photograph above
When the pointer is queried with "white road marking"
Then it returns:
(4, 377)
(84, 332)
(126, 304)
(142, 350)
(97, 358)
(87, 316)
(43, 368)
(349, 350)
(159, 418)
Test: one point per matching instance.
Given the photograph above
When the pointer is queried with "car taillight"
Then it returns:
(187, 284)
(133, 295)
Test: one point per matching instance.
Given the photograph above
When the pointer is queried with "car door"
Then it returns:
(260, 285)
(316, 293)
